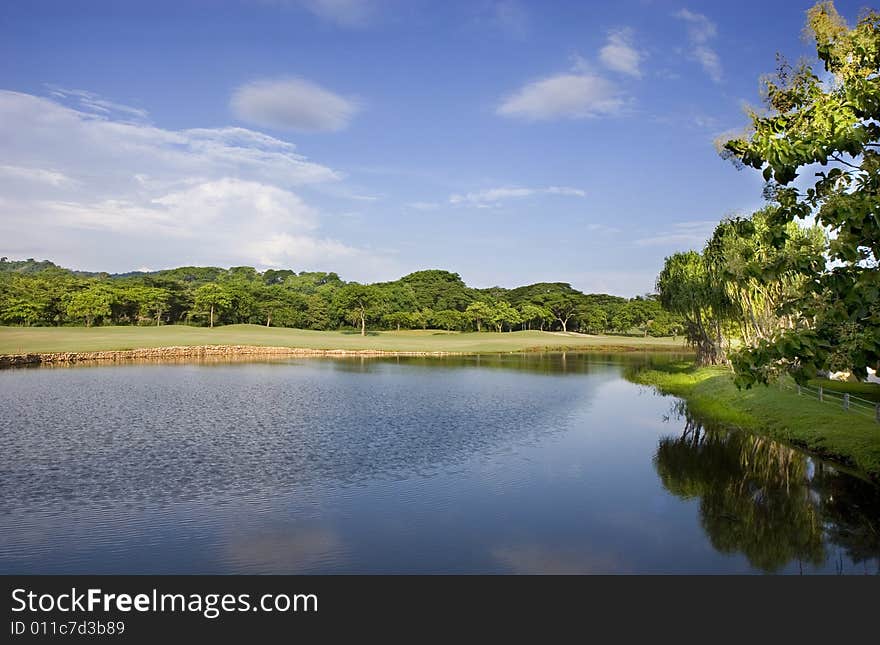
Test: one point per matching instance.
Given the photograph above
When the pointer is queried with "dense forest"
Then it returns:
(41, 293)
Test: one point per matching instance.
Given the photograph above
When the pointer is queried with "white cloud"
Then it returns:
(620, 55)
(107, 155)
(565, 190)
(690, 235)
(700, 28)
(292, 104)
(91, 102)
(344, 13)
(39, 175)
(285, 249)
(97, 192)
(700, 31)
(708, 58)
(493, 196)
(572, 96)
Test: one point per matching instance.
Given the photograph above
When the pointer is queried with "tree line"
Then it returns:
(795, 287)
(41, 293)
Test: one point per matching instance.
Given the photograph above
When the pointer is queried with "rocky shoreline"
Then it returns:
(198, 351)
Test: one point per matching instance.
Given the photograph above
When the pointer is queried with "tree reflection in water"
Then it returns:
(768, 501)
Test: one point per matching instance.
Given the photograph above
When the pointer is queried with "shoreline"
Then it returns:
(202, 351)
(197, 351)
(820, 430)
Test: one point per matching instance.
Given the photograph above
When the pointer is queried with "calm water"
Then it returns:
(520, 464)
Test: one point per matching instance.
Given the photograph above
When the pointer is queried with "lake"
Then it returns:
(545, 463)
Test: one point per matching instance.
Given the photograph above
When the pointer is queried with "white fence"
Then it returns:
(843, 400)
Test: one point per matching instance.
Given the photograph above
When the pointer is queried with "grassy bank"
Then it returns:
(822, 428)
(26, 340)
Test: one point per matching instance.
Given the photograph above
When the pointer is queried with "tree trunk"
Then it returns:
(564, 326)
(158, 317)
(363, 325)
(212, 316)
(268, 319)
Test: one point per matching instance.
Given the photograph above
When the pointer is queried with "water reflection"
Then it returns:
(768, 501)
(492, 464)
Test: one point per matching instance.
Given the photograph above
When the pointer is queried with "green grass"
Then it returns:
(23, 340)
(868, 391)
(822, 428)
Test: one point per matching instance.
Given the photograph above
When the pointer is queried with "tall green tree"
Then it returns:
(763, 277)
(212, 298)
(687, 288)
(532, 314)
(562, 306)
(503, 314)
(479, 312)
(91, 303)
(360, 303)
(834, 123)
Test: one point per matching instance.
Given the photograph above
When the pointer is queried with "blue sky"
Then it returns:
(512, 142)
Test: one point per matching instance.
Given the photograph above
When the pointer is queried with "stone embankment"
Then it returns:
(199, 351)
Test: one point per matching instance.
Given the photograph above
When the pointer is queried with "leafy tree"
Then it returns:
(449, 319)
(360, 303)
(503, 314)
(151, 301)
(592, 318)
(834, 123)
(530, 313)
(22, 310)
(423, 317)
(687, 288)
(764, 278)
(399, 319)
(479, 312)
(622, 320)
(91, 303)
(317, 312)
(562, 306)
(275, 302)
(213, 298)
(438, 290)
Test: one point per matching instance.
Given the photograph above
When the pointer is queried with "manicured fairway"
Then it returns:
(18, 340)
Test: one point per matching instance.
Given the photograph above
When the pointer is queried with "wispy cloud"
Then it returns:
(38, 175)
(494, 196)
(581, 92)
(701, 31)
(692, 234)
(620, 55)
(93, 190)
(572, 96)
(95, 103)
(292, 104)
